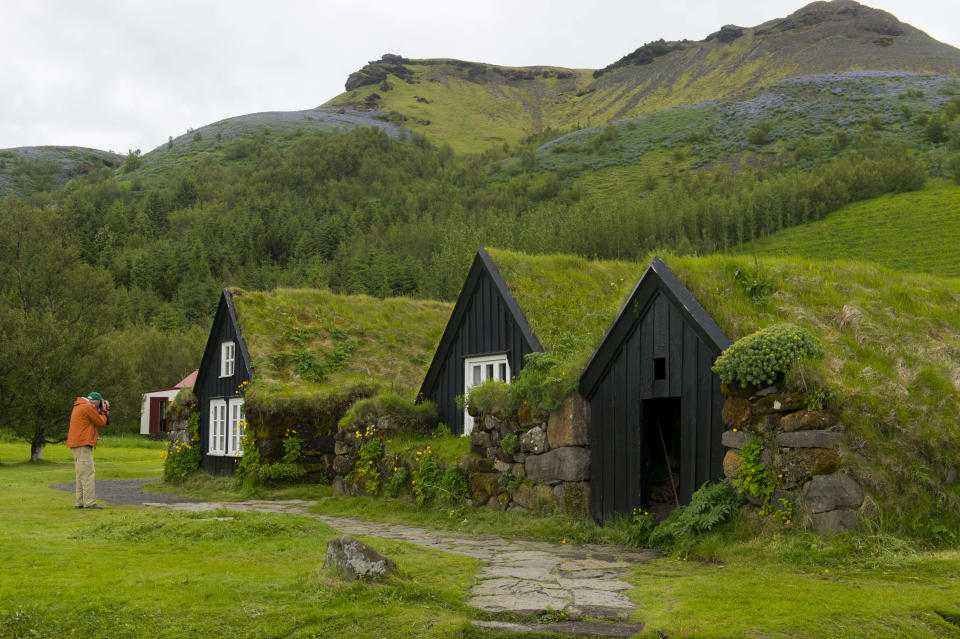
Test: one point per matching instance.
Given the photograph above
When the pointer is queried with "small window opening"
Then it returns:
(659, 368)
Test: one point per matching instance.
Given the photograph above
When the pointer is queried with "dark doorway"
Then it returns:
(661, 477)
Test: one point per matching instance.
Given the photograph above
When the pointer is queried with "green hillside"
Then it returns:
(247, 136)
(892, 366)
(472, 105)
(917, 231)
(28, 169)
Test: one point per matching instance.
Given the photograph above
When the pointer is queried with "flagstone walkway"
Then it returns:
(522, 577)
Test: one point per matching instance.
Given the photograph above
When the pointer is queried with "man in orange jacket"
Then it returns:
(89, 414)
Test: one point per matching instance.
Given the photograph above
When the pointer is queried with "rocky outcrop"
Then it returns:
(353, 560)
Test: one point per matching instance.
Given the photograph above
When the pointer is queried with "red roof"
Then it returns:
(188, 381)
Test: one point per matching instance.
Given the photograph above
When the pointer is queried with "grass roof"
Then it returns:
(569, 301)
(892, 360)
(308, 345)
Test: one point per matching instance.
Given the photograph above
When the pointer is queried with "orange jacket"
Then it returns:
(84, 422)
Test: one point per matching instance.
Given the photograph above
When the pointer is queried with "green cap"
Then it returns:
(95, 397)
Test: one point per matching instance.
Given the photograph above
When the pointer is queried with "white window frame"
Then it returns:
(236, 424)
(217, 440)
(228, 358)
(498, 365)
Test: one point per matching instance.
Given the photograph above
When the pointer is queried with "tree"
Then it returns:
(53, 310)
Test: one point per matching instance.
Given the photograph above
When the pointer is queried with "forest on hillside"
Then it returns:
(110, 284)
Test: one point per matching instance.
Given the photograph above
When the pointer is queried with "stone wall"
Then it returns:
(803, 448)
(550, 463)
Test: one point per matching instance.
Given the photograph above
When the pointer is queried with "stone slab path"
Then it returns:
(522, 577)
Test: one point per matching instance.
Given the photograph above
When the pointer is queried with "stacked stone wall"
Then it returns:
(804, 449)
(550, 463)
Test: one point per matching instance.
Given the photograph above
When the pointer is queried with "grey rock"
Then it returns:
(342, 464)
(829, 492)
(336, 486)
(501, 466)
(835, 522)
(534, 441)
(809, 439)
(735, 439)
(952, 475)
(569, 423)
(569, 463)
(353, 560)
(491, 423)
(533, 496)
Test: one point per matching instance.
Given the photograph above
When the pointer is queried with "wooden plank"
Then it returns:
(609, 471)
(646, 355)
(675, 350)
(596, 457)
(621, 498)
(705, 413)
(716, 447)
(661, 326)
(632, 452)
(689, 412)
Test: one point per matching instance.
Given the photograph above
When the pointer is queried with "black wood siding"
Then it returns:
(210, 385)
(618, 449)
(486, 327)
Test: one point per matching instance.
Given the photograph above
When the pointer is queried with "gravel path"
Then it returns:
(126, 492)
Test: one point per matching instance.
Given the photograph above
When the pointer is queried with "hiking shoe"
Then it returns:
(94, 507)
(78, 506)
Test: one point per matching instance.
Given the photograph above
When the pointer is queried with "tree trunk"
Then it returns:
(36, 448)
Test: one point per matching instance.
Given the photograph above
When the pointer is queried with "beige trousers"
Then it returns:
(86, 485)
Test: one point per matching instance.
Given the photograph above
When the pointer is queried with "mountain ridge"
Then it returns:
(473, 105)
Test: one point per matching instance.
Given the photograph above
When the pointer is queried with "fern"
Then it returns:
(709, 507)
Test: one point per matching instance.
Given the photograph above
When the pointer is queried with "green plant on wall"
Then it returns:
(180, 461)
(763, 356)
(366, 472)
(754, 477)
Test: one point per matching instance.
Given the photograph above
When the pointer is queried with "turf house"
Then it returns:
(655, 404)
(512, 305)
(284, 366)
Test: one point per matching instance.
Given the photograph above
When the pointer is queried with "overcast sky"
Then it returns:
(125, 74)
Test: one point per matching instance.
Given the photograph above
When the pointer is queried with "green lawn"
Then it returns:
(917, 231)
(132, 572)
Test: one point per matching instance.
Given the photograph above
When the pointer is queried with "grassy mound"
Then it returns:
(917, 231)
(892, 362)
(311, 347)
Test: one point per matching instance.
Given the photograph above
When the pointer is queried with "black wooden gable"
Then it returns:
(209, 384)
(486, 319)
(651, 388)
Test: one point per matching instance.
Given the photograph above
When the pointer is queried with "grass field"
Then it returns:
(132, 572)
(917, 231)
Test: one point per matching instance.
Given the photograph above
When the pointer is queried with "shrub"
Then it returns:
(761, 357)
(510, 444)
(181, 461)
(367, 470)
(492, 397)
(760, 134)
(407, 414)
(398, 481)
(639, 527)
(709, 507)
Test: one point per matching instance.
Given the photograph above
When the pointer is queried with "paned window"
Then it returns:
(236, 426)
(228, 358)
(218, 427)
(481, 369)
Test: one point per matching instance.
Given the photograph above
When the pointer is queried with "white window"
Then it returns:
(480, 369)
(228, 358)
(218, 427)
(235, 427)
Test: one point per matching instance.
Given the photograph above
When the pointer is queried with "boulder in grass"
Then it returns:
(353, 560)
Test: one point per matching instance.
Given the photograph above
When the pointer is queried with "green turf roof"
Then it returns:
(569, 301)
(892, 362)
(382, 343)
